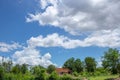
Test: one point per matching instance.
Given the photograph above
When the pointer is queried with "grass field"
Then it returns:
(102, 77)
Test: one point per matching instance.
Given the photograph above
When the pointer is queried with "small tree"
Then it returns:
(41, 75)
(50, 69)
(54, 76)
(90, 64)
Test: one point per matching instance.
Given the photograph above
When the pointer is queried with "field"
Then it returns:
(102, 77)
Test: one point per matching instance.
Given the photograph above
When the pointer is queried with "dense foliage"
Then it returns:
(111, 60)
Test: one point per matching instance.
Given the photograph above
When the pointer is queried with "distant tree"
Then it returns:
(54, 76)
(78, 66)
(16, 69)
(36, 69)
(24, 68)
(70, 64)
(74, 65)
(110, 60)
(90, 64)
(41, 75)
(7, 66)
(1, 73)
(50, 69)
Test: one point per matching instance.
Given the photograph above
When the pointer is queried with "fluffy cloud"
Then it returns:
(104, 38)
(31, 56)
(4, 59)
(4, 47)
(83, 15)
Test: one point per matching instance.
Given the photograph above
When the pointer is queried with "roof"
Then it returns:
(65, 70)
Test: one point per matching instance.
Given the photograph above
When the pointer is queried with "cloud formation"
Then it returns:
(83, 15)
(31, 56)
(4, 47)
(104, 38)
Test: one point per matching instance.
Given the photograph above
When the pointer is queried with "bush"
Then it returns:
(54, 76)
(75, 74)
(41, 75)
(66, 77)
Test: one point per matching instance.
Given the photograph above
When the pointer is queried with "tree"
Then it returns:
(16, 69)
(24, 68)
(74, 65)
(7, 65)
(50, 69)
(90, 64)
(54, 76)
(78, 66)
(41, 75)
(36, 69)
(69, 64)
(1, 73)
(110, 60)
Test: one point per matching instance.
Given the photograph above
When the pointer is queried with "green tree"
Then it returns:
(41, 75)
(78, 66)
(74, 65)
(24, 68)
(54, 76)
(50, 69)
(90, 64)
(7, 66)
(36, 69)
(110, 60)
(70, 64)
(1, 73)
(16, 69)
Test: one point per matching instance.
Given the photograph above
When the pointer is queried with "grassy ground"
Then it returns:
(102, 77)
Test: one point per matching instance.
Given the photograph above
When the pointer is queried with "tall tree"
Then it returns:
(110, 60)
(74, 65)
(90, 64)
(78, 65)
(69, 64)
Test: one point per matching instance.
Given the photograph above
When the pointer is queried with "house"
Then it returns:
(63, 71)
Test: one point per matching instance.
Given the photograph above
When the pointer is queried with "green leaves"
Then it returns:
(111, 60)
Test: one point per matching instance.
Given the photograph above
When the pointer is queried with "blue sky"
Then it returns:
(51, 31)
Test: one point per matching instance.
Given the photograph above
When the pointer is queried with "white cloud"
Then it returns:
(32, 57)
(4, 47)
(103, 38)
(79, 15)
(4, 59)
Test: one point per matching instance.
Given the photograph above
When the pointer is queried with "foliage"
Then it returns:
(41, 75)
(111, 60)
(1, 73)
(36, 69)
(90, 64)
(74, 65)
(54, 76)
(50, 69)
(66, 77)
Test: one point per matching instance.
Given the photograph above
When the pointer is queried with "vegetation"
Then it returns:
(81, 70)
(111, 60)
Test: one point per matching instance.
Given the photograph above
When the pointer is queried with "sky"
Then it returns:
(44, 32)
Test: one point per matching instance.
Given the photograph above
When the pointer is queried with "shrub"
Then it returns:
(54, 76)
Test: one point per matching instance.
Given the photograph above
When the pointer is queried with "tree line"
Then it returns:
(88, 67)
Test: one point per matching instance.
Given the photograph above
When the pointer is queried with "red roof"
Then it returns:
(63, 70)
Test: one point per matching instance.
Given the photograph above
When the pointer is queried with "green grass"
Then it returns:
(102, 77)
